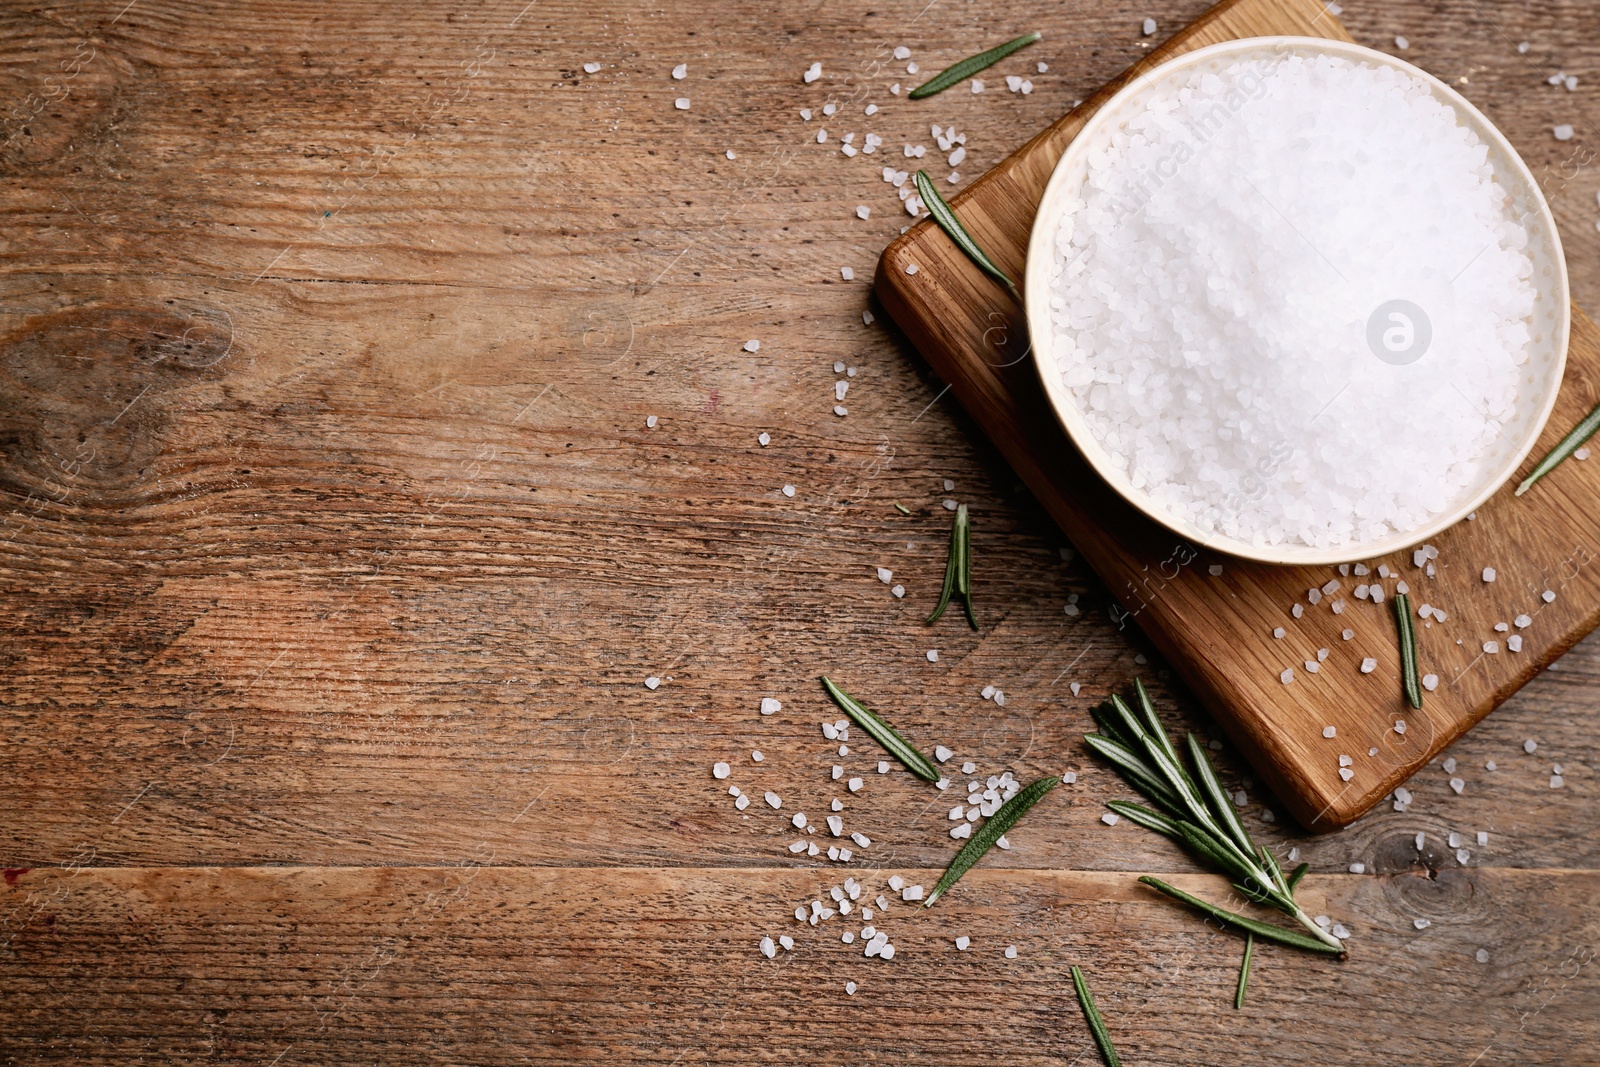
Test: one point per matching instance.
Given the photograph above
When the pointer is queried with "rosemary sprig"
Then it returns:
(1247, 924)
(883, 733)
(1568, 445)
(1408, 650)
(1244, 970)
(1097, 1025)
(1196, 812)
(971, 65)
(992, 830)
(945, 216)
(958, 569)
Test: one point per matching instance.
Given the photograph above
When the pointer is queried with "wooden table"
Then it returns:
(339, 548)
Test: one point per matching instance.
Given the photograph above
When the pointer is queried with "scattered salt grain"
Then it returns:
(721, 770)
(788, 490)
(763, 439)
(883, 766)
(1491, 647)
(1514, 643)
(1347, 634)
(652, 682)
(911, 268)
(1459, 785)
(1548, 596)
(812, 73)
(1430, 682)
(773, 800)
(768, 949)
(977, 85)
(1011, 952)
(1110, 818)
(933, 655)
(1482, 955)
(1556, 781)
(1421, 924)
(1287, 676)
(1401, 43)
(863, 211)
(1369, 665)
(1278, 632)
(682, 103)
(963, 829)
(1488, 574)
(854, 784)
(1330, 731)
(1148, 27)
(1530, 746)
(1069, 778)
(741, 802)
(1358, 868)
(591, 68)
(1562, 132)
(770, 706)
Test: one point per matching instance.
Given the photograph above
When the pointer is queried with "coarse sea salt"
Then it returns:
(1214, 283)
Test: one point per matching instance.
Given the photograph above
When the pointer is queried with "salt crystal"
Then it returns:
(768, 949)
(1369, 665)
(1530, 746)
(682, 103)
(1421, 924)
(1011, 952)
(721, 770)
(1330, 731)
(680, 72)
(854, 784)
(1148, 27)
(933, 655)
(1548, 596)
(962, 942)
(883, 766)
(1458, 784)
(1358, 868)
(812, 73)
(1110, 818)
(1514, 642)
(1430, 682)
(1278, 632)
(1287, 676)
(591, 68)
(1482, 955)
(1562, 132)
(1401, 43)
(741, 802)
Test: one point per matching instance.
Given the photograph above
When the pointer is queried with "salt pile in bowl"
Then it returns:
(1224, 294)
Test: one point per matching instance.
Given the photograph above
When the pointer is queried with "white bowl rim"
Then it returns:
(1040, 259)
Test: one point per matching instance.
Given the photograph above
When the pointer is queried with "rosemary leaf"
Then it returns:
(1408, 650)
(945, 216)
(1220, 802)
(1253, 926)
(1244, 970)
(952, 569)
(991, 831)
(902, 509)
(1299, 873)
(1109, 726)
(958, 569)
(883, 733)
(1138, 773)
(964, 572)
(1568, 445)
(1150, 820)
(1097, 1025)
(971, 65)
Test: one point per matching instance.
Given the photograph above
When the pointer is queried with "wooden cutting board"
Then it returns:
(1213, 616)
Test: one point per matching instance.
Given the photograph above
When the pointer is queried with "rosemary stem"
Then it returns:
(1322, 935)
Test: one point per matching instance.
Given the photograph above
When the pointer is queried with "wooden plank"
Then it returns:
(1216, 628)
(490, 964)
(354, 597)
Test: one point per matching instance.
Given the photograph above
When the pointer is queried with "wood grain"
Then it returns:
(337, 550)
(1214, 617)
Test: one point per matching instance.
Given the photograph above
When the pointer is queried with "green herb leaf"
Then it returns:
(1220, 801)
(1260, 929)
(1244, 970)
(1097, 1025)
(883, 733)
(1408, 650)
(902, 509)
(1299, 873)
(1567, 446)
(971, 65)
(991, 831)
(945, 216)
(958, 569)
(952, 570)
(1139, 774)
(964, 572)
(1150, 820)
